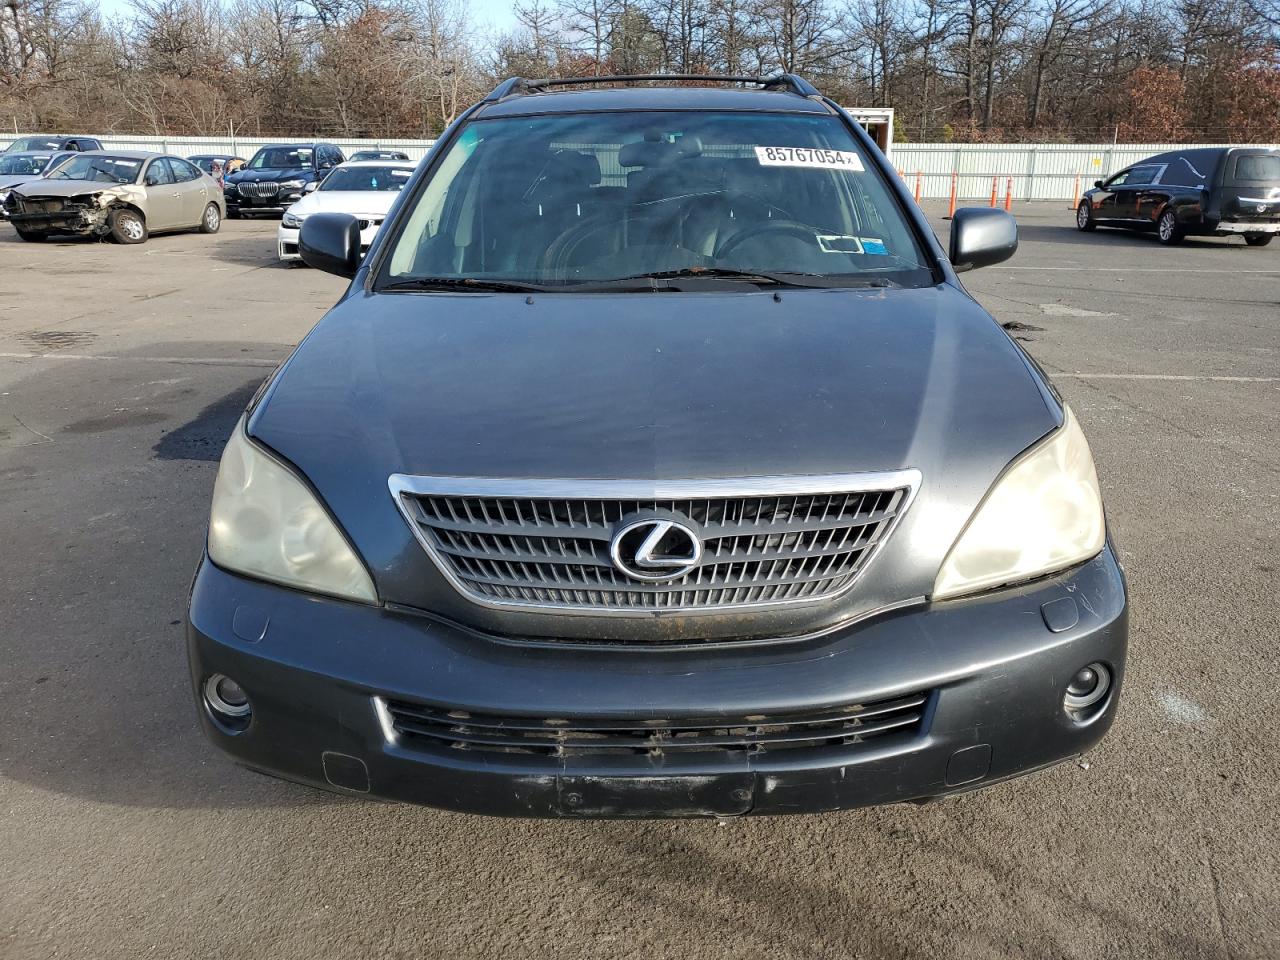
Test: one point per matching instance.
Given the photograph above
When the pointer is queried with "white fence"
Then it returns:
(1036, 171)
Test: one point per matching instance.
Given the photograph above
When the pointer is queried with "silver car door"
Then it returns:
(164, 200)
(194, 188)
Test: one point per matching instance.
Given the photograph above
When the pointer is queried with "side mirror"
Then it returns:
(311, 186)
(331, 242)
(980, 237)
(1098, 184)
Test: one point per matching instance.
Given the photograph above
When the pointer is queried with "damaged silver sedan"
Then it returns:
(124, 195)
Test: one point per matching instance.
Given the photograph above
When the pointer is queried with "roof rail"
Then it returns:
(519, 86)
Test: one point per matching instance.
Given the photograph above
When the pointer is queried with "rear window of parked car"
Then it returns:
(1258, 168)
(367, 178)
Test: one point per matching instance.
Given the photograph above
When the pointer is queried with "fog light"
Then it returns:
(226, 697)
(1088, 687)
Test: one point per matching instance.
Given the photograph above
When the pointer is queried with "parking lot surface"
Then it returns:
(123, 834)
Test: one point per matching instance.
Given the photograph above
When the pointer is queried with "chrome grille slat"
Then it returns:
(265, 188)
(542, 543)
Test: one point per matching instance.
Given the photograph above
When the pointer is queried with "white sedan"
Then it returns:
(365, 189)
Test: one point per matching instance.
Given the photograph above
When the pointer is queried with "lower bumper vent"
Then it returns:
(436, 727)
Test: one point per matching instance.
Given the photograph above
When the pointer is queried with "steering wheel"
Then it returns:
(792, 228)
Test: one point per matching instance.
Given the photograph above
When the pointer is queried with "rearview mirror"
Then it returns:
(331, 242)
(1098, 184)
(311, 186)
(980, 236)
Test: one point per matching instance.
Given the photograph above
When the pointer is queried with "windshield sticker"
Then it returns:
(839, 243)
(818, 158)
(874, 245)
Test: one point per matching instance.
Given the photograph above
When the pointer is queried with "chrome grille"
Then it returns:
(261, 190)
(547, 543)
(432, 727)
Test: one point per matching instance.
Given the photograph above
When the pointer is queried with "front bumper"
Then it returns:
(72, 220)
(287, 244)
(278, 204)
(318, 673)
(287, 241)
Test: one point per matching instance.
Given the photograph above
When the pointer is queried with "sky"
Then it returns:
(495, 14)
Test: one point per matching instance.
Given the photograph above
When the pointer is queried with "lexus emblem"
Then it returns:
(655, 549)
(1262, 208)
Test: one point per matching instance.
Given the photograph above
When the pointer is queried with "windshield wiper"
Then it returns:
(777, 278)
(468, 283)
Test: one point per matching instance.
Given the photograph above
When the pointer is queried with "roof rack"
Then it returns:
(519, 86)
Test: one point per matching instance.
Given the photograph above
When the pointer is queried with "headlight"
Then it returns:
(266, 522)
(292, 185)
(291, 220)
(1043, 514)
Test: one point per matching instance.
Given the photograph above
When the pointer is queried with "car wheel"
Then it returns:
(1257, 239)
(1169, 229)
(1084, 217)
(127, 226)
(211, 220)
(32, 236)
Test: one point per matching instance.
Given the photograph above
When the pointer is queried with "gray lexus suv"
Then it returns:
(656, 463)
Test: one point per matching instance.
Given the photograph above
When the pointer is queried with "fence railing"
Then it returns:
(1040, 171)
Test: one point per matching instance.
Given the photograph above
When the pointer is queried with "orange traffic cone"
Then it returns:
(951, 207)
(1008, 194)
(993, 190)
(919, 175)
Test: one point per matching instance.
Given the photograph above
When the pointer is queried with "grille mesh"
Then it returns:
(439, 727)
(555, 552)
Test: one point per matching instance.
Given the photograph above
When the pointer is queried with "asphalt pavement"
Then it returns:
(124, 835)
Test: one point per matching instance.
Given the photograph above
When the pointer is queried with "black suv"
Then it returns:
(1205, 191)
(277, 175)
(656, 463)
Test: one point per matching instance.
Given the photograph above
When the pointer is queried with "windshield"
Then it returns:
(563, 200)
(99, 169)
(281, 158)
(23, 163)
(367, 178)
(34, 143)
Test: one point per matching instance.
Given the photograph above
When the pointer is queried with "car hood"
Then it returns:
(655, 387)
(254, 176)
(376, 202)
(68, 188)
(13, 179)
